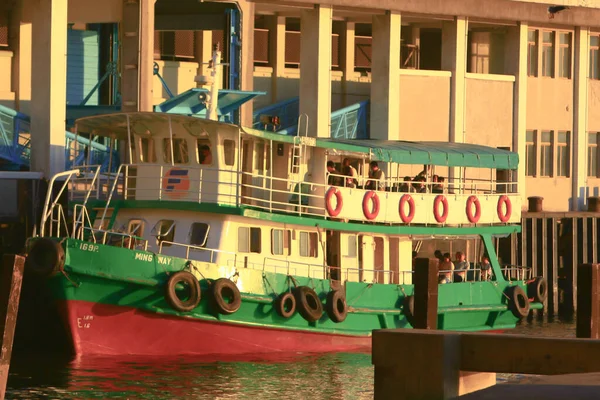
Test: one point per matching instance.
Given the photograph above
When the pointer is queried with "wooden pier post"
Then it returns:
(11, 277)
(425, 280)
(588, 301)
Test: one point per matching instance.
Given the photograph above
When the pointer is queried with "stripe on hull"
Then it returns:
(102, 329)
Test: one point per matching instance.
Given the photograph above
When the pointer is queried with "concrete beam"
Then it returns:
(203, 50)
(20, 43)
(385, 77)
(276, 26)
(580, 110)
(315, 70)
(48, 111)
(347, 50)
(247, 68)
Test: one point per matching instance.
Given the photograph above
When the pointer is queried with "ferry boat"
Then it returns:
(212, 238)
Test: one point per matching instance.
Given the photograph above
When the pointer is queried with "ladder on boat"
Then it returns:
(298, 153)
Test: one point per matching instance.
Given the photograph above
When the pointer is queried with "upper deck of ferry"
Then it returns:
(177, 158)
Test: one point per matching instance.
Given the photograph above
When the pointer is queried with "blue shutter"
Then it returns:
(83, 69)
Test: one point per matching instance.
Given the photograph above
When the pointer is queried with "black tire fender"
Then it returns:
(195, 295)
(285, 305)
(226, 296)
(518, 302)
(45, 257)
(538, 289)
(308, 303)
(336, 306)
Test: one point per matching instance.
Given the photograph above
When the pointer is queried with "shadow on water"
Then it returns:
(327, 376)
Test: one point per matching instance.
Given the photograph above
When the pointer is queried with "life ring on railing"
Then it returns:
(285, 305)
(370, 214)
(538, 289)
(440, 198)
(334, 212)
(473, 218)
(194, 297)
(518, 302)
(45, 257)
(407, 198)
(226, 296)
(504, 216)
(336, 306)
(308, 303)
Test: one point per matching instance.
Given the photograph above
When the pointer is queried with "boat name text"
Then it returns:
(150, 258)
(89, 247)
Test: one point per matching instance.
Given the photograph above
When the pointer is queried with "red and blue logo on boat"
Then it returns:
(176, 183)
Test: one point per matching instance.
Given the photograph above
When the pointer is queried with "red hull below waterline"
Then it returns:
(101, 329)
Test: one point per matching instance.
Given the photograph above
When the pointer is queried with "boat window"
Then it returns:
(249, 240)
(280, 242)
(309, 244)
(136, 227)
(199, 234)
(164, 230)
(148, 152)
(180, 151)
(204, 152)
(350, 250)
(229, 151)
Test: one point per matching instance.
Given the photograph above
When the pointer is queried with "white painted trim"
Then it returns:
(491, 77)
(426, 72)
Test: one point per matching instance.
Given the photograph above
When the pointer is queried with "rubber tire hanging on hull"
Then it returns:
(408, 308)
(518, 302)
(308, 303)
(45, 257)
(226, 296)
(336, 306)
(195, 293)
(285, 305)
(538, 290)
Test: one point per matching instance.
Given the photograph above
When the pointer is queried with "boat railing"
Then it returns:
(291, 267)
(53, 211)
(191, 248)
(516, 272)
(111, 238)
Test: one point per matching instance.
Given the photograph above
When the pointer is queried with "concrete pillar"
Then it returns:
(203, 50)
(516, 64)
(276, 26)
(20, 43)
(315, 70)
(385, 77)
(137, 55)
(247, 69)
(347, 48)
(454, 59)
(49, 99)
(580, 107)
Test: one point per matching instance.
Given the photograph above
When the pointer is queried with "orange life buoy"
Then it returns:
(407, 198)
(504, 216)
(333, 212)
(371, 214)
(440, 198)
(473, 218)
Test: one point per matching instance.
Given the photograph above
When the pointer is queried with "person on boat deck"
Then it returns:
(419, 185)
(331, 172)
(438, 186)
(486, 268)
(461, 265)
(406, 186)
(438, 254)
(445, 269)
(376, 177)
(353, 173)
(351, 181)
(425, 173)
(205, 155)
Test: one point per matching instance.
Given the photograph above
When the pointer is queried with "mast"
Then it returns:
(213, 81)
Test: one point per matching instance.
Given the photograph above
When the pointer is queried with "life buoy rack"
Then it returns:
(308, 303)
(518, 302)
(366, 204)
(334, 212)
(406, 218)
(195, 294)
(336, 306)
(504, 216)
(473, 217)
(440, 218)
(285, 305)
(226, 296)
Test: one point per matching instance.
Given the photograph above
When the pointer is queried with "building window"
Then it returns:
(280, 242)
(532, 53)
(309, 244)
(593, 154)
(180, 151)
(564, 55)
(563, 158)
(164, 230)
(199, 234)
(530, 156)
(148, 152)
(594, 55)
(249, 240)
(546, 153)
(548, 54)
(174, 45)
(229, 151)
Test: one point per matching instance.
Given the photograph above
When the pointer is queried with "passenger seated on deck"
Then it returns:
(486, 268)
(406, 186)
(445, 269)
(205, 155)
(376, 177)
(461, 265)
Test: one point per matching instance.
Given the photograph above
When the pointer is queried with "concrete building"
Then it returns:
(502, 73)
